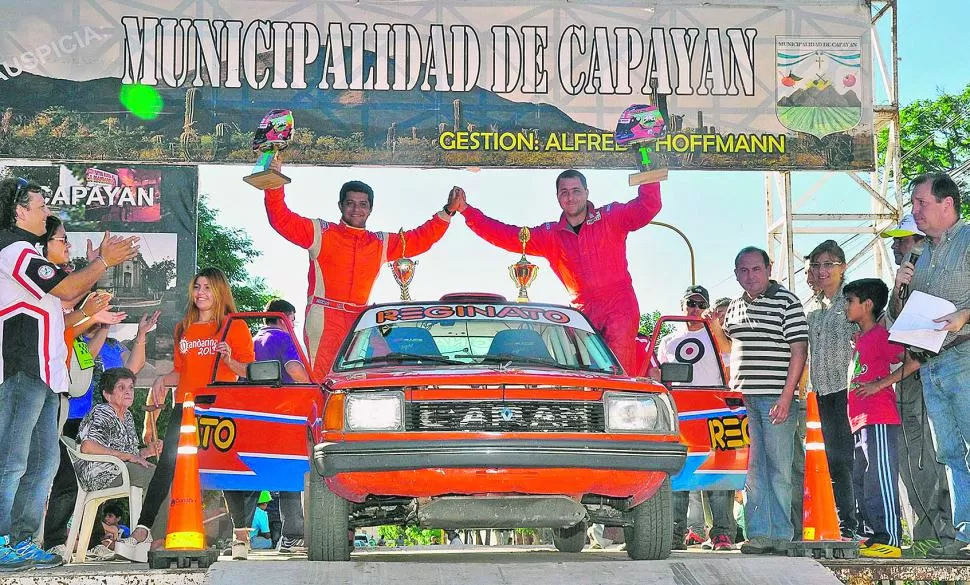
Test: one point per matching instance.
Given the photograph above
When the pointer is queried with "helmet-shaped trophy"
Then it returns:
(273, 135)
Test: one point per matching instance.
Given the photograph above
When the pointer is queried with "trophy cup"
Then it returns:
(403, 269)
(272, 136)
(523, 272)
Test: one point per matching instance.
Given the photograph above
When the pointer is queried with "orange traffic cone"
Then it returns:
(185, 528)
(819, 518)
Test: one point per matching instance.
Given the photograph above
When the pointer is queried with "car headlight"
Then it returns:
(638, 413)
(374, 411)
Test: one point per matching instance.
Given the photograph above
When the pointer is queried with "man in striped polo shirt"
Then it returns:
(769, 345)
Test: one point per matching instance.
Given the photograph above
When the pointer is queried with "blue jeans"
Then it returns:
(946, 390)
(28, 453)
(768, 486)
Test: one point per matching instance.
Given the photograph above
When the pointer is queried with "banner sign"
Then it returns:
(157, 204)
(768, 84)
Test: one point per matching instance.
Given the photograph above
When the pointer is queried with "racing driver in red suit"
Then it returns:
(587, 251)
(344, 262)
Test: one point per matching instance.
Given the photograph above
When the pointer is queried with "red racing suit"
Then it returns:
(344, 263)
(591, 264)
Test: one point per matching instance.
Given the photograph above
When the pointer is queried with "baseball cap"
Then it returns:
(697, 290)
(906, 227)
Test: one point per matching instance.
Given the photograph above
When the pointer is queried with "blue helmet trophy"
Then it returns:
(273, 136)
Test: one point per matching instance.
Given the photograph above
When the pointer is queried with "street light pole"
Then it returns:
(693, 274)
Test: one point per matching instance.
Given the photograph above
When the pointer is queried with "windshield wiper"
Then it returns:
(509, 358)
(397, 356)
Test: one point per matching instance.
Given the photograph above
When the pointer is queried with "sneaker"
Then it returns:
(291, 545)
(722, 542)
(36, 556)
(101, 553)
(759, 545)
(950, 550)
(9, 559)
(240, 552)
(61, 551)
(877, 550)
(708, 544)
(678, 544)
(692, 538)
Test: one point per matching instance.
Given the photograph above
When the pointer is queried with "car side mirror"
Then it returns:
(676, 372)
(265, 372)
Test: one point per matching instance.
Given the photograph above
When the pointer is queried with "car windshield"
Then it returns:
(492, 342)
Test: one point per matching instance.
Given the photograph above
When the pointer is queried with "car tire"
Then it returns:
(327, 522)
(570, 540)
(650, 536)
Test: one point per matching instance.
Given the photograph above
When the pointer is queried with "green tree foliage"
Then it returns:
(231, 250)
(934, 136)
(648, 322)
(412, 534)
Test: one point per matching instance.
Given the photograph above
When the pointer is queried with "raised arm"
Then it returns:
(505, 236)
(637, 212)
(292, 226)
(420, 239)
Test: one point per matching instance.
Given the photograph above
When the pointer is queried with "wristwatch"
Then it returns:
(445, 209)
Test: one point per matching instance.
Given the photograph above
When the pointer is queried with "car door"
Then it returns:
(253, 436)
(713, 425)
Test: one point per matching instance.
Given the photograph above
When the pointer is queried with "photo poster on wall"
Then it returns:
(154, 202)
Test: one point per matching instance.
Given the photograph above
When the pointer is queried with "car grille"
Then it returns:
(506, 416)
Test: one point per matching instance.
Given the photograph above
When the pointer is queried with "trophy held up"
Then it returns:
(638, 129)
(273, 135)
(523, 272)
(403, 269)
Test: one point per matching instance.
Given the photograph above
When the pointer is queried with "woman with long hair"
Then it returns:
(197, 346)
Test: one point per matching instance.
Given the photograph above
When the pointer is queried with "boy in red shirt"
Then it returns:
(874, 418)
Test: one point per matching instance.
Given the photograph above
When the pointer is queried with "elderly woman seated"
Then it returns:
(109, 429)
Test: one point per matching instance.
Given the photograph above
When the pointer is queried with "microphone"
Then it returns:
(914, 255)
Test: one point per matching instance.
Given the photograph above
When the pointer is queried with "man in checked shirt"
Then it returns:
(943, 270)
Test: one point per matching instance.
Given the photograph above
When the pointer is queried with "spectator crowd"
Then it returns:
(890, 414)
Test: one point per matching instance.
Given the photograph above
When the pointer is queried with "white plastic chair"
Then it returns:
(86, 506)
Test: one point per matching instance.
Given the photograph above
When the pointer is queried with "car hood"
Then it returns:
(397, 376)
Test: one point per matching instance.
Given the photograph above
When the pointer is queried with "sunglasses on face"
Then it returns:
(697, 304)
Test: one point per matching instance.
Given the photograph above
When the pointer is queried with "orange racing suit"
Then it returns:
(344, 263)
(591, 264)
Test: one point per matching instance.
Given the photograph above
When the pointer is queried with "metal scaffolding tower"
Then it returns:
(783, 219)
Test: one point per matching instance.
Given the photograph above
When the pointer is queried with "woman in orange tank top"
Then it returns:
(197, 345)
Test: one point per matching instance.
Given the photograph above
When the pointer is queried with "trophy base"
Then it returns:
(268, 179)
(645, 177)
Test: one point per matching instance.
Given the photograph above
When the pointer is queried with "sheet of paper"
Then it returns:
(915, 325)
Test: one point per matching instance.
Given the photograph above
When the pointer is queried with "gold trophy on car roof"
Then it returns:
(523, 272)
(403, 268)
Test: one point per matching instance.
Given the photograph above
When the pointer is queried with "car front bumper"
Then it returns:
(330, 459)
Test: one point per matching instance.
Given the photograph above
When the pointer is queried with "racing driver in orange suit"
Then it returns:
(345, 259)
(586, 249)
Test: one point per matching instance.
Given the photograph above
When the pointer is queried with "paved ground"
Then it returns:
(519, 565)
(471, 565)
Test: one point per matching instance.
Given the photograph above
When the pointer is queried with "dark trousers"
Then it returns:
(722, 514)
(798, 469)
(291, 510)
(839, 445)
(156, 495)
(876, 478)
(60, 506)
(923, 476)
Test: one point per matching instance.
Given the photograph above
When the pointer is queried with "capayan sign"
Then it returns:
(767, 85)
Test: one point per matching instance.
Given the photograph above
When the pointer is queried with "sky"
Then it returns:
(720, 212)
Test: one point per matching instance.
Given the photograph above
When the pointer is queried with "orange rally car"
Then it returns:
(473, 412)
